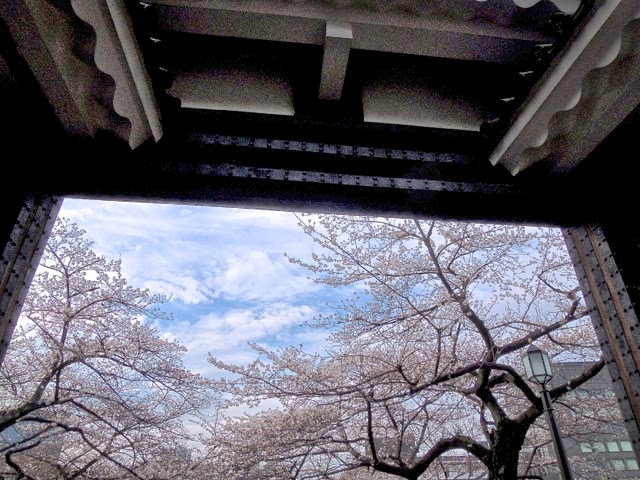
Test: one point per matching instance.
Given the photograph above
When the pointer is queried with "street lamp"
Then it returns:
(538, 369)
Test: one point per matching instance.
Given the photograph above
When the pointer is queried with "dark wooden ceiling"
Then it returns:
(326, 156)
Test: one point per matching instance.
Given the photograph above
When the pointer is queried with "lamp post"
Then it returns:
(538, 369)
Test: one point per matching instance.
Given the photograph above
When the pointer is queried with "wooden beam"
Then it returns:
(337, 44)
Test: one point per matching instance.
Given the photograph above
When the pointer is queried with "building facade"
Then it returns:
(595, 438)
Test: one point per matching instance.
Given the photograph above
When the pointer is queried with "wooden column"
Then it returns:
(614, 316)
(22, 248)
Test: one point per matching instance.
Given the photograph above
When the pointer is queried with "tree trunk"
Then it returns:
(505, 452)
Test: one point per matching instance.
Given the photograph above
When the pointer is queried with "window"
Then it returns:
(599, 447)
(585, 447)
(613, 446)
(618, 464)
(626, 446)
(632, 464)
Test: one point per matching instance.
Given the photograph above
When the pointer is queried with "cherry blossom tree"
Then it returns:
(89, 388)
(423, 359)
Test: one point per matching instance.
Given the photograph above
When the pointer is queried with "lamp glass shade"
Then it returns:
(537, 365)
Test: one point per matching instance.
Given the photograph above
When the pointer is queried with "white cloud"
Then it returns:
(185, 289)
(197, 254)
(256, 275)
(225, 335)
(224, 269)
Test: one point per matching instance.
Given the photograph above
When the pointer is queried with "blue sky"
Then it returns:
(224, 268)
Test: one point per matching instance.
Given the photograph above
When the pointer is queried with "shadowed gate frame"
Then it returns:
(327, 165)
